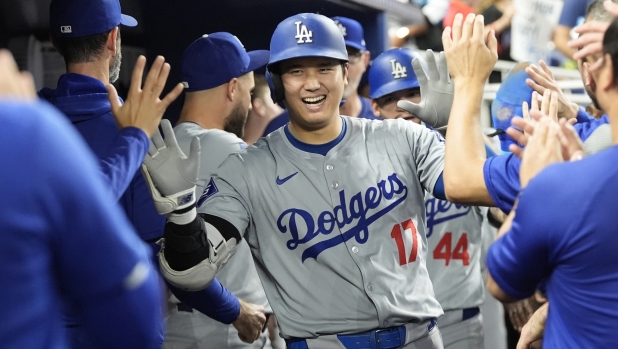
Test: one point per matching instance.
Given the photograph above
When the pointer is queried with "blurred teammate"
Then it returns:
(62, 242)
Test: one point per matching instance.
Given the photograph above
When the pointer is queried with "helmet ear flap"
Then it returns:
(277, 87)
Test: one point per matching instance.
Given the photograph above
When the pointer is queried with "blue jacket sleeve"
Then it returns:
(124, 159)
(215, 301)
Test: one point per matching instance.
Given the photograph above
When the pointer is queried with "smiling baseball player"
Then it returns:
(332, 208)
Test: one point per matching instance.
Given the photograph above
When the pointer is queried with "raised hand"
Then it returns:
(170, 174)
(436, 92)
(13, 83)
(542, 79)
(543, 149)
(470, 56)
(143, 108)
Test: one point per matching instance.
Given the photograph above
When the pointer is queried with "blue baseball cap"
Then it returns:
(507, 104)
(215, 59)
(74, 18)
(352, 32)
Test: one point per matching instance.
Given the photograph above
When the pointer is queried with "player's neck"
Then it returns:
(352, 106)
(318, 135)
(98, 69)
(204, 109)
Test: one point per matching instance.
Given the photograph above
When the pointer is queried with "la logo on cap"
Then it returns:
(398, 70)
(303, 34)
(344, 31)
(65, 29)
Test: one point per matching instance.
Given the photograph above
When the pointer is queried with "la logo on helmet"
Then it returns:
(303, 34)
(344, 31)
(398, 70)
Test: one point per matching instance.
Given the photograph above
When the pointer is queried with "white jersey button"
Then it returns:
(385, 323)
(355, 249)
(335, 185)
(370, 287)
(329, 167)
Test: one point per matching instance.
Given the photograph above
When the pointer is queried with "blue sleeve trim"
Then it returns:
(215, 301)
(438, 189)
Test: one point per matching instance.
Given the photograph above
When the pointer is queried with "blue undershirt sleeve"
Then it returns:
(215, 301)
(438, 189)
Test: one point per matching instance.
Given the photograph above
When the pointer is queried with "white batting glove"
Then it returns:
(171, 176)
(437, 92)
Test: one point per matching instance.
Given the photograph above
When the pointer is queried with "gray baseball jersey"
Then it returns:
(339, 240)
(239, 275)
(454, 237)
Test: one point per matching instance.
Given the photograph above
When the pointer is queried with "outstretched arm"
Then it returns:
(470, 61)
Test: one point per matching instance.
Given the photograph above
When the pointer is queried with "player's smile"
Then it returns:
(313, 87)
(313, 101)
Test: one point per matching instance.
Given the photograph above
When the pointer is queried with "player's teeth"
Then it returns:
(313, 99)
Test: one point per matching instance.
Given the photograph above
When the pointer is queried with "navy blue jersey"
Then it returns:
(64, 242)
(502, 172)
(565, 231)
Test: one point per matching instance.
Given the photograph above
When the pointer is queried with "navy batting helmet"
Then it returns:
(304, 35)
(392, 71)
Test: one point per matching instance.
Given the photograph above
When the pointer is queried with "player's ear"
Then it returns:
(345, 67)
(375, 108)
(608, 70)
(232, 89)
(258, 106)
(110, 44)
(366, 59)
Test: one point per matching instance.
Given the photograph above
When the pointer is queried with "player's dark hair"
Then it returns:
(82, 49)
(610, 46)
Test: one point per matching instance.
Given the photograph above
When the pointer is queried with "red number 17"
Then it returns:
(397, 234)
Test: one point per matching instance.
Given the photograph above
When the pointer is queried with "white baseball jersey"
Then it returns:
(339, 240)
(239, 275)
(454, 237)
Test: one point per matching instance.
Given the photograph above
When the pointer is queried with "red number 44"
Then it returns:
(397, 234)
(445, 251)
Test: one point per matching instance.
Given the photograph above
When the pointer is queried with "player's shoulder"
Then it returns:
(596, 176)
(208, 137)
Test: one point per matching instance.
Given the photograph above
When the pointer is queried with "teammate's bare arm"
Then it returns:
(470, 60)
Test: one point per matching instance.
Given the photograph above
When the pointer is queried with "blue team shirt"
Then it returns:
(572, 11)
(62, 240)
(284, 118)
(502, 172)
(565, 231)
